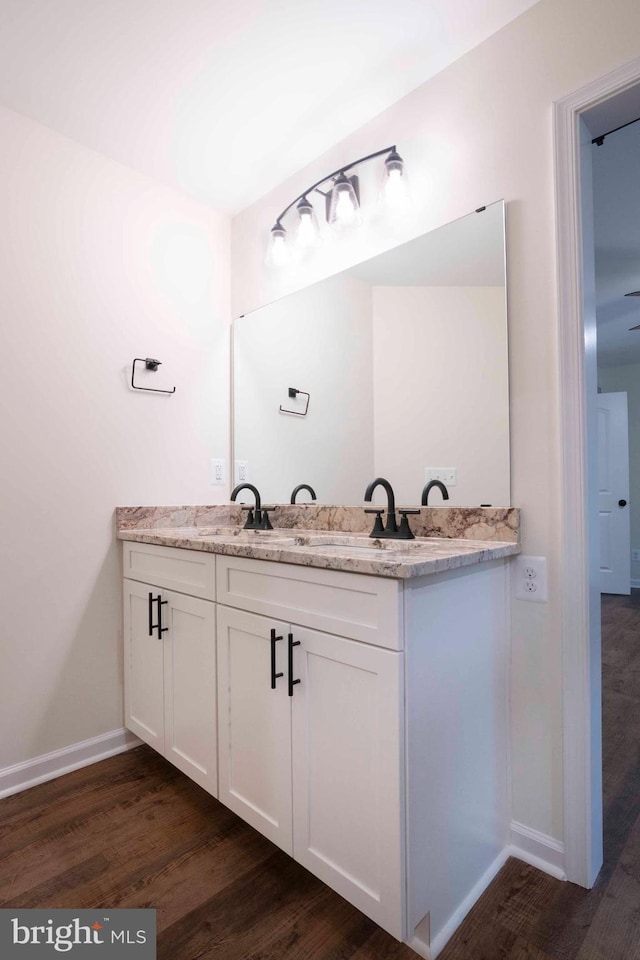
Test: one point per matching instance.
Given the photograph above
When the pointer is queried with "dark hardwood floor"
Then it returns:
(132, 831)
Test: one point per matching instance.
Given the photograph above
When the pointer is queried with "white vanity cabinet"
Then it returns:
(170, 659)
(358, 721)
(315, 764)
(385, 772)
(311, 732)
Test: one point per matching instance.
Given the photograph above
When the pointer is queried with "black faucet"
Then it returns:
(391, 528)
(259, 520)
(429, 487)
(302, 486)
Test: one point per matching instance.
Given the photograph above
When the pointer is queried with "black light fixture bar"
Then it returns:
(330, 176)
(600, 140)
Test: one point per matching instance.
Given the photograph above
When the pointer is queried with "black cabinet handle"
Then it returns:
(622, 503)
(274, 675)
(292, 643)
(158, 625)
(161, 629)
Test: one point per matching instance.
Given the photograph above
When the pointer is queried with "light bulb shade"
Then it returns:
(278, 248)
(394, 192)
(308, 232)
(344, 202)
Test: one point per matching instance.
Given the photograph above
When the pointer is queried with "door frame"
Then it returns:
(582, 763)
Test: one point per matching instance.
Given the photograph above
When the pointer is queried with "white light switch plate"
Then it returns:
(446, 475)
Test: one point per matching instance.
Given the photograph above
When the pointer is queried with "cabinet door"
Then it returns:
(143, 666)
(347, 724)
(190, 709)
(254, 724)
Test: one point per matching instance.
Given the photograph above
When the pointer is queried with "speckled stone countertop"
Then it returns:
(332, 549)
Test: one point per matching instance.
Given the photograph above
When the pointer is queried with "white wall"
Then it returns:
(481, 130)
(421, 335)
(98, 265)
(626, 378)
(318, 340)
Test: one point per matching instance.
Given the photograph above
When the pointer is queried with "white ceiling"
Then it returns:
(226, 99)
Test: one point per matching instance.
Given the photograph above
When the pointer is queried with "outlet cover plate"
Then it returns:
(530, 579)
(240, 472)
(218, 473)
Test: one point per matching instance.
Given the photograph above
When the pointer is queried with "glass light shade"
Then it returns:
(395, 190)
(308, 233)
(278, 249)
(344, 205)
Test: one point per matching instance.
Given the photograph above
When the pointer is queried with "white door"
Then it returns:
(190, 711)
(347, 758)
(613, 493)
(144, 664)
(254, 723)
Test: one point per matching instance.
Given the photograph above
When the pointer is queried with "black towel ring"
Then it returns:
(293, 392)
(149, 364)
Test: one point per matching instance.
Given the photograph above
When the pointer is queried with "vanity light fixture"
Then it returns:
(341, 205)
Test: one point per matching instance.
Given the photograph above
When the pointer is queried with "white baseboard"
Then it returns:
(635, 584)
(538, 849)
(51, 765)
(526, 844)
(431, 951)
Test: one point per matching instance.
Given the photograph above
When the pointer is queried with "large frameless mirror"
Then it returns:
(399, 367)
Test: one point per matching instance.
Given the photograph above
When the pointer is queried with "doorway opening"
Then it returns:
(586, 295)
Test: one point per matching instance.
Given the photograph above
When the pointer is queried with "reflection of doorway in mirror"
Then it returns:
(441, 390)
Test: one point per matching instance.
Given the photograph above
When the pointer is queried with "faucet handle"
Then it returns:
(250, 517)
(377, 526)
(265, 523)
(405, 532)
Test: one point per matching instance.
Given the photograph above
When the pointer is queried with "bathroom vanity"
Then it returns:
(346, 697)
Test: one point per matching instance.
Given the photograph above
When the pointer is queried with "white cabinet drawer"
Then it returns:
(187, 571)
(348, 604)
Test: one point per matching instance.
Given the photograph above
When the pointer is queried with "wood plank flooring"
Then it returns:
(133, 831)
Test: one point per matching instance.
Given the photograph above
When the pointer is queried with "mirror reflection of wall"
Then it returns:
(405, 360)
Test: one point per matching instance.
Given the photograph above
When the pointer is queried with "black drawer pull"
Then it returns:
(150, 614)
(274, 675)
(292, 643)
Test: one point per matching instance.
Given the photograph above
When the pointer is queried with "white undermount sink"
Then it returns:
(242, 535)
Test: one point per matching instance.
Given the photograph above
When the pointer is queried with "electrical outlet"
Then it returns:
(635, 555)
(218, 473)
(241, 470)
(446, 475)
(530, 578)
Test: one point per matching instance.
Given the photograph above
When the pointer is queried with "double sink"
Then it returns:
(335, 544)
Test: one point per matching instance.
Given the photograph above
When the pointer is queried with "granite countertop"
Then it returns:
(329, 549)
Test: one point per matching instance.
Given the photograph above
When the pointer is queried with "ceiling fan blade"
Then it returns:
(634, 293)
(635, 328)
